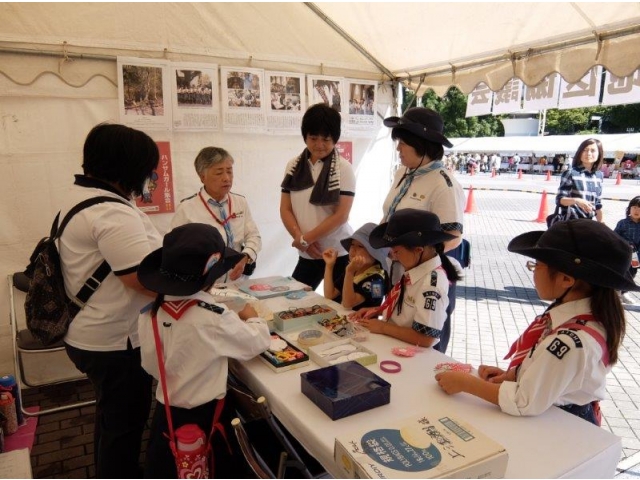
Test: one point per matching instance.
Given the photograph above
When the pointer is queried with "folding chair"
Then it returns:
(49, 364)
(254, 409)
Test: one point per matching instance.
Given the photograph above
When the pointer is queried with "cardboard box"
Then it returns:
(345, 389)
(340, 351)
(433, 445)
(299, 317)
(288, 359)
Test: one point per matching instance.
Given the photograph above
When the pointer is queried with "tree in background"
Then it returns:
(453, 107)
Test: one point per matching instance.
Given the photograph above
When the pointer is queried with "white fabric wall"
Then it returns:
(42, 130)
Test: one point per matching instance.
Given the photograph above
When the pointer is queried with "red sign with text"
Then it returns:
(345, 149)
(157, 193)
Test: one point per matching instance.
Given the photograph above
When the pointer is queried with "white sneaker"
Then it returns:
(627, 299)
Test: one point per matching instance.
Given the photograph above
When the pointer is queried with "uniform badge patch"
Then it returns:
(574, 336)
(430, 299)
(558, 348)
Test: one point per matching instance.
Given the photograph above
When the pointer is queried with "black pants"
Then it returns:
(123, 400)
(311, 271)
(228, 462)
(586, 412)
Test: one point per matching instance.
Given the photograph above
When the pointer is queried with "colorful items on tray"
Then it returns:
(342, 327)
(294, 312)
(282, 355)
(453, 367)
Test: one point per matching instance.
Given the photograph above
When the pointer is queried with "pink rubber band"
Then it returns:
(390, 366)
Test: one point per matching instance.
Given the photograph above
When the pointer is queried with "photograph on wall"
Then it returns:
(287, 102)
(327, 90)
(143, 93)
(196, 104)
(242, 98)
(362, 105)
(157, 192)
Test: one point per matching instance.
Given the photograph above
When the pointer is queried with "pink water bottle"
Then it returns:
(191, 452)
(8, 409)
(190, 438)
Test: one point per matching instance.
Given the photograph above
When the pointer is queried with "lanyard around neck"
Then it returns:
(220, 222)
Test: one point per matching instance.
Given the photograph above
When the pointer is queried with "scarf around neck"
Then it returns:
(326, 190)
(405, 183)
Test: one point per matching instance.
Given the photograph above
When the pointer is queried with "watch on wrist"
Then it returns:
(303, 242)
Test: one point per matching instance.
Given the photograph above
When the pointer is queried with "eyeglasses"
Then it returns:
(531, 265)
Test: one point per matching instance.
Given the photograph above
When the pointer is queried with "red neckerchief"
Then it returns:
(220, 222)
(177, 308)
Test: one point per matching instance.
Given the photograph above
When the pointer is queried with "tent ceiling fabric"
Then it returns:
(484, 41)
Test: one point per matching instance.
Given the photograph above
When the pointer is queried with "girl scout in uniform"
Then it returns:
(416, 308)
(564, 356)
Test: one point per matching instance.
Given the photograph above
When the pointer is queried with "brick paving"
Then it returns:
(495, 303)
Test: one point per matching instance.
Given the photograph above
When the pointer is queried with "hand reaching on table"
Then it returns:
(364, 313)
(495, 374)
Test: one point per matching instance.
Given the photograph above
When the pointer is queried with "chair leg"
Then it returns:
(257, 464)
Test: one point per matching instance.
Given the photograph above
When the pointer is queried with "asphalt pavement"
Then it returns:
(497, 299)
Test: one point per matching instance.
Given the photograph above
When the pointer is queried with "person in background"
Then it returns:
(580, 190)
(317, 195)
(565, 354)
(415, 310)
(102, 340)
(425, 184)
(365, 282)
(629, 229)
(215, 204)
(198, 337)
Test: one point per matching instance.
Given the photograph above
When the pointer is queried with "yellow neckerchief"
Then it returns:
(372, 270)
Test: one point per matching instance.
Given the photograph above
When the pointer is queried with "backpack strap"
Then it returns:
(100, 273)
(597, 336)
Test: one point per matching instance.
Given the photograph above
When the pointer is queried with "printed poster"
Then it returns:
(157, 192)
(327, 90)
(196, 103)
(621, 90)
(287, 102)
(584, 93)
(345, 150)
(143, 93)
(544, 95)
(479, 101)
(242, 96)
(362, 105)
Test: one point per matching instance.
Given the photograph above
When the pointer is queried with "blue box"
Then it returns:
(345, 389)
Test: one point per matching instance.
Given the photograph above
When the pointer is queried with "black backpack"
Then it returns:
(48, 309)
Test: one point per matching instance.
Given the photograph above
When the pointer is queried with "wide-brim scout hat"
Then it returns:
(582, 248)
(409, 227)
(362, 235)
(422, 122)
(192, 256)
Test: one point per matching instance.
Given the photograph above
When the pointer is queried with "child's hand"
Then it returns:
(356, 264)
(363, 313)
(492, 374)
(329, 256)
(247, 312)
(373, 325)
(453, 382)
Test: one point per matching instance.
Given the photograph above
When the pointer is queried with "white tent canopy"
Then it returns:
(426, 44)
(549, 145)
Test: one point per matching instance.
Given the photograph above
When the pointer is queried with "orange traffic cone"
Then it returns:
(519, 174)
(543, 213)
(493, 172)
(619, 179)
(471, 203)
(548, 175)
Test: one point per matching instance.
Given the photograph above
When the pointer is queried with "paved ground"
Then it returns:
(497, 300)
(495, 303)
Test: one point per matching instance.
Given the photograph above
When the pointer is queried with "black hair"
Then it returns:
(453, 275)
(577, 160)
(119, 154)
(422, 146)
(321, 119)
(634, 202)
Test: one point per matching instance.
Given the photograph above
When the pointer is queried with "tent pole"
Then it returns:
(349, 39)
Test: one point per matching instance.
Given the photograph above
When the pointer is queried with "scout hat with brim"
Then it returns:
(362, 235)
(422, 122)
(584, 249)
(409, 227)
(192, 256)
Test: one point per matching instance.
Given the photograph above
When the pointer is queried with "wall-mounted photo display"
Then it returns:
(144, 91)
(287, 102)
(242, 98)
(362, 105)
(327, 90)
(196, 103)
